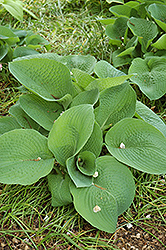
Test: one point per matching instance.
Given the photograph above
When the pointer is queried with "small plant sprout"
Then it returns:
(96, 209)
(122, 145)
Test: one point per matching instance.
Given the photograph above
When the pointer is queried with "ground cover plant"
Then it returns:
(141, 181)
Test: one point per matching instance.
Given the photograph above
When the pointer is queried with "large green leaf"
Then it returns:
(158, 12)
(59, 187)
(83, 79)
(3, 50)
(150, 76)
(71, 131)
(145, 30)
(116, 1)
(126, 10)
(25, 157)
(110, 194)
(8, 36)
(79, 179)
(24, 51)
(97, 206)
(160, 43)
(103, 69)
(117, 30)
(117, 179)
(14, 7)
(84, 63)
(86, 97)
(120, 60)
(49, 79)
(105, 83)
(95, 141)
(35, 41)
(23, 119)
(40, 110)
(143, 112)
(115, 104)
(138, 144)
(8, 123)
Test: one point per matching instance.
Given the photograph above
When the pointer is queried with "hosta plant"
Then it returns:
(73, 107)
(137, 36)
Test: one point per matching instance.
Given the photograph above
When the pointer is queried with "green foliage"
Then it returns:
(60, 124)
(14, 7)
(17, 43)
(136, 31)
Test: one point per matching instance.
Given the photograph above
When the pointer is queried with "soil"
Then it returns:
(130, 237)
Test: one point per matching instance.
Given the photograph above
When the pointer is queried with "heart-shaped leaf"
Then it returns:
(145, 30)
(79, 179)
(158, 12)
(49, 79)
(117, 30)
(110, 194)
(97, 206)
(8, 123)
(25, 157)
(71, 131)
(143, 112)
(103, 69)
(150, 76)
(138, 144)
(117, 179)
(124, 10)
(115, 104)
(40, 110)
(59, 187)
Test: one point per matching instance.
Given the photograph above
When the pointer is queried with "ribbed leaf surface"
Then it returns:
(71, 131)
(8, 123)
(138, 144)
(49, 79)
(25, 157)
(40, 110)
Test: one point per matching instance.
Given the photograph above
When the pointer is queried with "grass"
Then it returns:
(27, 218)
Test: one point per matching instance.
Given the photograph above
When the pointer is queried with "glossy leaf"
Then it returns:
(59, 187)
(115, 104)
(138, 144)
(8, 36)
(71, 131)
(40, 110)
(150, 76)
(25, 157)
(143, 112)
